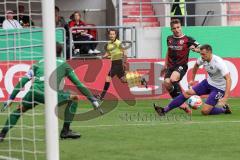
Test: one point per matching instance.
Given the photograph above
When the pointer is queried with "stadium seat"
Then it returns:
(131, 9)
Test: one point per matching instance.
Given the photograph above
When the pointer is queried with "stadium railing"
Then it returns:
(186, 16)
(126, 34)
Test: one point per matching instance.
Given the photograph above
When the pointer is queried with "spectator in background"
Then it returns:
(23, 19)
(9, 22)
(178, 9)
(60, 22)
(82, 35)
(2, 18)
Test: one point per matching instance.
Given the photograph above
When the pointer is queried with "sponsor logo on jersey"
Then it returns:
(176, 48)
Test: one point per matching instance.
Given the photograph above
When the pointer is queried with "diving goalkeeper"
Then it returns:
(36, 95)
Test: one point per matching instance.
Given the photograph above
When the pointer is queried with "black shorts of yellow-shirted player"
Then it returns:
(117, 53)
(35, 95)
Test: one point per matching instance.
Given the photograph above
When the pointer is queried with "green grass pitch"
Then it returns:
(133, 133)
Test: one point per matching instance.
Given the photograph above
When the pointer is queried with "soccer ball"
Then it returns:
(133, 79)
(194, 102)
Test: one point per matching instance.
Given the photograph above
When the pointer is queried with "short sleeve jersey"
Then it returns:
(216, 70)
(115, 50)
(178, 50)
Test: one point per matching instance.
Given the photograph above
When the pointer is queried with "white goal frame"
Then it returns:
(51, 119)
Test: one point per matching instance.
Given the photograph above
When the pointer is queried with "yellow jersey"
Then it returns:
(115, 50)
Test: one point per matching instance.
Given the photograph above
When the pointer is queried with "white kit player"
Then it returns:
(216, 86)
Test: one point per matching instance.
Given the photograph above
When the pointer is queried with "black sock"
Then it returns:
(11, 121)
(176, 90)
(4, 132)
(105, 88)
(69, 114)
(66, 126)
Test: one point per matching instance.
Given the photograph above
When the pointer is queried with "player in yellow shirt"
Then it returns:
(118, 56)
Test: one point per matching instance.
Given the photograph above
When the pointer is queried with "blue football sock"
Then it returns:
(176, 102)
(217, 110)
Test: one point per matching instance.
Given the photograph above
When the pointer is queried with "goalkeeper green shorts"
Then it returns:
(36, 96)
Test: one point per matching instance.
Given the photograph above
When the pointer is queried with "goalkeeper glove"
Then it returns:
(6, 104)
(96, 106)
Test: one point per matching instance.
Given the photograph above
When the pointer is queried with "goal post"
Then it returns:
(51, 120)
(24, 41)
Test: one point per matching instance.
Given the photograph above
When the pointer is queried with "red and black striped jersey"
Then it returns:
(178, 50)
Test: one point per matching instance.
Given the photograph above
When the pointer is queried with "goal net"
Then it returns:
(21, 44)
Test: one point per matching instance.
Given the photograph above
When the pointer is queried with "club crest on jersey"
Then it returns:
(181, 41)
(169, 41)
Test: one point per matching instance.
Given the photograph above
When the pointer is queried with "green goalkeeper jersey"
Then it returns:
(63, 70)
(37, 74)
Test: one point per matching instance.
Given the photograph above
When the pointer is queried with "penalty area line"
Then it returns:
(7, 158)
(154, 124)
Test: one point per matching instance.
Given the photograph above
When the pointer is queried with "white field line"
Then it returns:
(7, 158)
(153, 124)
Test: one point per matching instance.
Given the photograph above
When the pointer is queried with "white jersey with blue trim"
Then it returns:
(216, 69)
